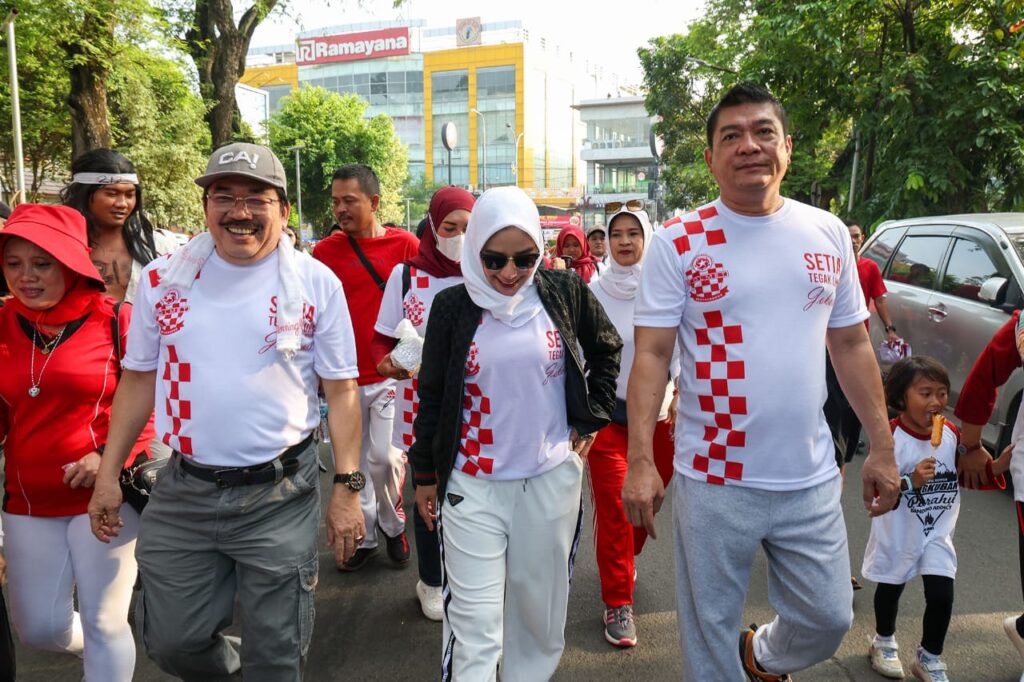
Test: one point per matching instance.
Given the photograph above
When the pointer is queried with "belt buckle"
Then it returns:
(220, 482)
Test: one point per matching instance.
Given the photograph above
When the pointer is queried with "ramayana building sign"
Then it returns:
(353, 46)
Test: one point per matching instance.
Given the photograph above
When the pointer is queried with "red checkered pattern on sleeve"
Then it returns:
(177, 375)
(410, 394)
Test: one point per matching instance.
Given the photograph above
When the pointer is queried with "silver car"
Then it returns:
(953, 281)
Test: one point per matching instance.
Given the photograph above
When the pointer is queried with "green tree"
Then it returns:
(930, 95)
(334, 131)
(45, 121)
(158, 122)
(419, 192)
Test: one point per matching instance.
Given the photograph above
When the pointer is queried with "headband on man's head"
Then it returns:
(104, 178)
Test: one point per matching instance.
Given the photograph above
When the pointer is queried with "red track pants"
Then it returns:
(615, 540)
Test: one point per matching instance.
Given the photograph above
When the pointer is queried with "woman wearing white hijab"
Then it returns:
(504, 420)
(615, 540)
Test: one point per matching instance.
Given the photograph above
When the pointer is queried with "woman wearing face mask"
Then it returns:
(572, 247)
(505, 418)
(58, 372)
(105, 189)
(615, 540)
(409, 293)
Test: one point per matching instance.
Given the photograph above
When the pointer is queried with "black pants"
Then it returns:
(841, 419)
(7, 667)
(938, 597)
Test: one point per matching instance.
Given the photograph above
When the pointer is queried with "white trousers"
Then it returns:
(383, 464)
(508, 550)
(47, 558)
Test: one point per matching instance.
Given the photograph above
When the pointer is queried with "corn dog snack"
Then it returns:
(938, 421)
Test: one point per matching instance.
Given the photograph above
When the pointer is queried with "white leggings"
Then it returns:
(46, 558)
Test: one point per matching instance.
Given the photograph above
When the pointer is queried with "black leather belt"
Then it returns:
(254, 475)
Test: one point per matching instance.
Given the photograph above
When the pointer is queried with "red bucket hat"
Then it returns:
(58, 230)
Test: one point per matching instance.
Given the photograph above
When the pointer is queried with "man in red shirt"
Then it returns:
(362, 255)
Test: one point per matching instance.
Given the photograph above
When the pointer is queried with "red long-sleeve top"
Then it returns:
(991, 370)
(67, 420)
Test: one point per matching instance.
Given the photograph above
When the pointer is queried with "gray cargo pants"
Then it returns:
(200, 546)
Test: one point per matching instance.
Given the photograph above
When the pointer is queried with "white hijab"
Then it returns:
(495, 210)
(621, 281)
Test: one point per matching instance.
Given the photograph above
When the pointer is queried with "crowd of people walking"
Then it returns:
(162, 404)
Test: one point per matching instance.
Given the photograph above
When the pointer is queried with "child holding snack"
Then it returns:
(916, 538)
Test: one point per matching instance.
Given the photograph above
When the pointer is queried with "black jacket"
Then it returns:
(454, 319)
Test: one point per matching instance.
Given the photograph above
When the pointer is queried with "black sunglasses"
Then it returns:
(497, 261)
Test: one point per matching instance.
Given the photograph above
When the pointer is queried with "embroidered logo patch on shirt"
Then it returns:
(706, 279)
(454, 499)
(170, 312)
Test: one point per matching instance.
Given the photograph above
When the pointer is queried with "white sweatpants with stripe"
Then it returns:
(508, 549)
(382, 463)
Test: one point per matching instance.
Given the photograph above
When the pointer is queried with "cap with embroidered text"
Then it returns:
(247, 160)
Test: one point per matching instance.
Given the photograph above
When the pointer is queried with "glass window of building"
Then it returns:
(450, 102)
(496, 101)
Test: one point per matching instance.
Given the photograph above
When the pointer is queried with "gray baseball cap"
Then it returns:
(248, 160)
(597, 227)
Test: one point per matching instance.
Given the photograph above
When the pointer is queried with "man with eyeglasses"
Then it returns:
(230, 338)
(362, 255)
(754, 285)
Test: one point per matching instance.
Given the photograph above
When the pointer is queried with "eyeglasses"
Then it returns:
(253, 204)
(497, 261)
(633, 205)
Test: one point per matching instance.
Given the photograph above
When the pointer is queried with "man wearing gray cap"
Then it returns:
(230, 337)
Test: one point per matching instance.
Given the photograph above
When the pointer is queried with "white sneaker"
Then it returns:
(1010, 627)
(929, 669)
(885, 659)
(430, 600)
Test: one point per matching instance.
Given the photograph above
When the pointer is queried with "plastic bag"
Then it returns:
(893, 351)
(409, 352)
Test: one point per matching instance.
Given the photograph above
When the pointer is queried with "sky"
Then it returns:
(607, 33)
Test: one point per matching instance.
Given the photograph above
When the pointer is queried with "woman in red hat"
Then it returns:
(59, 366)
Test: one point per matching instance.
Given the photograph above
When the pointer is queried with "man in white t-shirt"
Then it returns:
(754, 285)
(229, 339)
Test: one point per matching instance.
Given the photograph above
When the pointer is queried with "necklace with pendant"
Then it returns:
(46, 350)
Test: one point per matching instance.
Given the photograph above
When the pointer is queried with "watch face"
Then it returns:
(357, 480)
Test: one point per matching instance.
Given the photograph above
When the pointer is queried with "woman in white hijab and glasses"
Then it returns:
(615, 540)
(506, 416)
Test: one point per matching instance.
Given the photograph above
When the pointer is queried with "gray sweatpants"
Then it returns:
(718, 530)
(200, 546)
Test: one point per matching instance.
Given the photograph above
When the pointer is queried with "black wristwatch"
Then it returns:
(353, 480)
(890, 328)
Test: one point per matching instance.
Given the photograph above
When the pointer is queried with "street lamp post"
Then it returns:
(483, 124)
(298, 182)
(515, 157)
(19, 154)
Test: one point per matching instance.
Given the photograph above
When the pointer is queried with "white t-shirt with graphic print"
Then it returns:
(916, 538)
(514, 422)
(224, 395)
(415, 307)
(752, 299)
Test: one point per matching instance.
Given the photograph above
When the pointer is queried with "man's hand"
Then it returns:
(105, 509)
(3, 570)
(345, 525)
(426, 504)
(386, 368)
(971, 468)
(82, 474)
(642, 494)
(881, 480)
(893, 337)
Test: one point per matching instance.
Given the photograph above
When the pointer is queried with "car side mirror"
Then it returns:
(992, 290)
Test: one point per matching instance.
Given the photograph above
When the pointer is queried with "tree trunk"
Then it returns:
(87, 98)
(218, 47)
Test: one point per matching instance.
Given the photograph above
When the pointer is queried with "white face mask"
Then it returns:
(451, 247)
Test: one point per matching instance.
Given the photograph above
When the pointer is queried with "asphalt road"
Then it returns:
(369, 626)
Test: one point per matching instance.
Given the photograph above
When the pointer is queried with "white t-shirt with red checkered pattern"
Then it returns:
(224, 395)
(752, 298)
(514, 422)
(415, 307)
